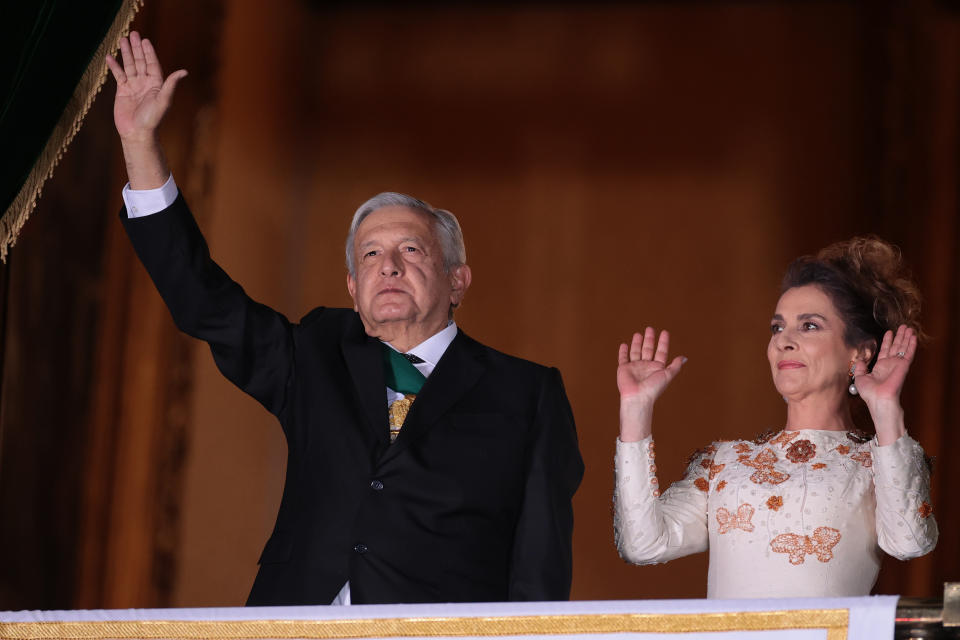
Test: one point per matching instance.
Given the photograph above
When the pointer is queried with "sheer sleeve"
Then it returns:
(906, 527)
(648, 527)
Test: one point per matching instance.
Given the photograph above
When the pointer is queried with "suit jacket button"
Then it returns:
(360, 548)
(376, 485)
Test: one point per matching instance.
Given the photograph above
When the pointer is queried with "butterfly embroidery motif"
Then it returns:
(822, 542)
(763, 463)
(729, 521)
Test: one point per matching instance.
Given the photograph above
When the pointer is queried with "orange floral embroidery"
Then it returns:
(706, 462)
(743, 447)
(774, 503)
(822, 542)
(715, 469)
(729, 522)
(784, 438)
(819, 465)
(763, 463)
(863, 458)
(801, 451)
(925, 509)
(843, 449)
(764, 437)
(702, 484)
(721, 485)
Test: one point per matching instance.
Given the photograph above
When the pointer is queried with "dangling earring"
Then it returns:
(852, 389)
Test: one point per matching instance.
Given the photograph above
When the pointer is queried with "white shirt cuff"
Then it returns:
(149, 201)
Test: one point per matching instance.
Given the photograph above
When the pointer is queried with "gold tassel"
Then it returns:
(67, 127)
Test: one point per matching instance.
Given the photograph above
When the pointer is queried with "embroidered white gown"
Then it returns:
(804, 513)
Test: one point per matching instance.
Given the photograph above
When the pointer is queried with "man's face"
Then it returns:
(400, 283)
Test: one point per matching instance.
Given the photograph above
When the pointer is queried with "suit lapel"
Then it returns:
(362, 355)
(457, 372)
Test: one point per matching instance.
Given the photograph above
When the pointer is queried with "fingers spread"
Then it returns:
(649, 341)
(136, 46)
(127, 55)
(911, 347)
(635, 345)
(150, 57)
(674, 367)
(663, 347)
(166, 89)
(116, 70)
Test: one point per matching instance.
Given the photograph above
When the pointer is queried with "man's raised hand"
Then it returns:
(143, 95)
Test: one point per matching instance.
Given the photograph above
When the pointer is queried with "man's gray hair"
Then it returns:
(445, 226)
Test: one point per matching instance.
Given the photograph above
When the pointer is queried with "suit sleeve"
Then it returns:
(542, 561)
(251, 344)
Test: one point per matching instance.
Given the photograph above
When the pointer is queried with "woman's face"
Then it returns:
(807, 353)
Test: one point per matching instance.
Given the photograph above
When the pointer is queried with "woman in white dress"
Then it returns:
(808, 508)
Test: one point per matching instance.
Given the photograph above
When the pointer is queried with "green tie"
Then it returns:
(401, 376)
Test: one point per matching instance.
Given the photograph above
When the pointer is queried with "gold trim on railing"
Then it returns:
(834, 621)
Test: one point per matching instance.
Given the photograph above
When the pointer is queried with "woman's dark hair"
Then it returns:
(869, 285)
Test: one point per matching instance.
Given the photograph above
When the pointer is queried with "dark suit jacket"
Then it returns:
(472, 502)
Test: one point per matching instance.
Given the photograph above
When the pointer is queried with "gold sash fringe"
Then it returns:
(67, 127)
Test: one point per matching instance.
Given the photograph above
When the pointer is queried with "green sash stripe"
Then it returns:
(400, 374)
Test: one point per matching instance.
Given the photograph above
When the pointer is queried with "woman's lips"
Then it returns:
(789, 364)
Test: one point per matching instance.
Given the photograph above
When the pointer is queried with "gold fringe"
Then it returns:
(67, 127)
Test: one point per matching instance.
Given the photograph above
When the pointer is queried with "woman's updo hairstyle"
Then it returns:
(869, 285)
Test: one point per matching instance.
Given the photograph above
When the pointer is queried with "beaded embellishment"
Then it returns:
(774, 503)
(863, 458)
(729, 521)
(763, 463)
(801, 451)
(784, 438)
(821, 543)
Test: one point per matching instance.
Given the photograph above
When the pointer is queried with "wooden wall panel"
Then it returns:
(612, 165)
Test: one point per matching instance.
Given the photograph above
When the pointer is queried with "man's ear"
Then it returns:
(460, 278)
(352, 288)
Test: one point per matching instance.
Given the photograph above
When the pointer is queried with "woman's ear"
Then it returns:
(867, 351)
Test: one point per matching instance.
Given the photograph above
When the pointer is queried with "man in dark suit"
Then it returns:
(423, 466)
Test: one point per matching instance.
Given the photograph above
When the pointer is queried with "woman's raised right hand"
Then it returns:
(642, 375)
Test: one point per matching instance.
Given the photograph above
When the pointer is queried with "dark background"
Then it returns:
(613, 165)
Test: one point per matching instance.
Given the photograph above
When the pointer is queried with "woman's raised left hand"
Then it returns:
(880, 389)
